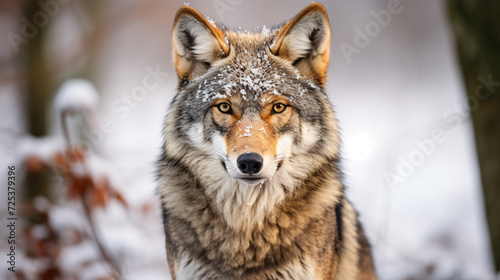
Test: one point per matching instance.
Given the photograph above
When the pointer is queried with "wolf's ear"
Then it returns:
(197, 43)
(305, 42)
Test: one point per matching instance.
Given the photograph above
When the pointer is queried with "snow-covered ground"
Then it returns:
(411, 172)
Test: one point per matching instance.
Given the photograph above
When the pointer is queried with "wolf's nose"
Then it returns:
(250, 163)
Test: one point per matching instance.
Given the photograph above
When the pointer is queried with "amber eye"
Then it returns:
(224, 108)
(278, 108)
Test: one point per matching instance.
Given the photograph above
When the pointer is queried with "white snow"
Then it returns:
(76, 95)
(265, 30)
(73, 256)
(43, 148)
(247, 133)
(263, 131)
(212, 22)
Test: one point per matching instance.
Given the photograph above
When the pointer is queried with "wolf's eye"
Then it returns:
(224, 108)
(278, 108)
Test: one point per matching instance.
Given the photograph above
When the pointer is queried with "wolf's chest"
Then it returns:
(193, 269)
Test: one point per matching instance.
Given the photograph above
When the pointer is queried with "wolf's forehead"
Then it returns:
(248, 79)
(252, 43)
(251, 73)
(251, 52)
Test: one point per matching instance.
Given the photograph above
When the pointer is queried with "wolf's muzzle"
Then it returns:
(250, 163)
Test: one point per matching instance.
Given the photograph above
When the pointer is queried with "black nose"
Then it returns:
(250, 163)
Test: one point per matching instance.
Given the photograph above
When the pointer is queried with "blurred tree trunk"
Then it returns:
(476, 26)
(38, 97)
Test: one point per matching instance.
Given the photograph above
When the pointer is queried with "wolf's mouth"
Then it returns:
(250, 180)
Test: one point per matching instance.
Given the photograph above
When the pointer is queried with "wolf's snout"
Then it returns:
(250, 163)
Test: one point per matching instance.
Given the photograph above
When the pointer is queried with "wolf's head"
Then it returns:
(251, 121)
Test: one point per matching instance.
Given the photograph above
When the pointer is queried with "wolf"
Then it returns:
(249, 177)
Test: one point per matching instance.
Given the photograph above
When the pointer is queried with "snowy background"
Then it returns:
(419, 195)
